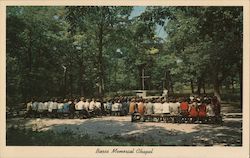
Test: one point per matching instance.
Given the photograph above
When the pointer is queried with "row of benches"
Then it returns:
(137, 117)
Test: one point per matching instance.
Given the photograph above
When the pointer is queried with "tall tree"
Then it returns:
(100, 21)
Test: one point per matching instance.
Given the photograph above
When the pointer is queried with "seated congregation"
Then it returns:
(177, 110)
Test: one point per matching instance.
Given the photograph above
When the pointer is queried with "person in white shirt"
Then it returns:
(98, 104)
(98, 107)
(158, 107)
(92, 105)
(191, 98)
(174, 107)
(165, 107)
(79, 106)
(149, 107)
(45, 106)
(85, 109)
(116, 108)
(40, 107)
(34, 106)
(109, 106)
(29, 109)
(50, 106)
(60, 106)
(54, 108)
(210, 111)
(29, 106)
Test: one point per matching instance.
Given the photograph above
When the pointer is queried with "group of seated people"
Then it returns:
(64, 106)
(82, 106)
(191, 107)
(187, 107)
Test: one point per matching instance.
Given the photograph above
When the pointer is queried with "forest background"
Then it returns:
(105, 50)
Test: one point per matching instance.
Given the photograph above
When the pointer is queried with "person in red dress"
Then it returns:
(184, 107)
(193, 113)
(184, 110)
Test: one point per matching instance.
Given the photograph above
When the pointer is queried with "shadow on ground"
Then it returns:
(108, 131)
(99, 132)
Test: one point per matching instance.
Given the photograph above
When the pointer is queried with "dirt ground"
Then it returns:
(155, 133)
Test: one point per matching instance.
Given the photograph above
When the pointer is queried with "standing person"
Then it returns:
(217, 106)
(210, 109)
(217, 109)
(165, 93)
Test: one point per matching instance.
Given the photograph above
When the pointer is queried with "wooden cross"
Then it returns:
(143, 79)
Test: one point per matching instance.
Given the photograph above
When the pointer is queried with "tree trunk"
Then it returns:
(192, 86)
(232, 83)
(70, 85)
(140, 75)
(65, 84)
(29, 86)
(30, 52)
(199, 86)
(99, 60)
(216, 87)
(81, 76)
(241, 80)
(70, 78)
(171, 85)
(204, 88)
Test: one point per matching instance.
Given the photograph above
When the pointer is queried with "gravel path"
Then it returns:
(158, 133)
(155, 133)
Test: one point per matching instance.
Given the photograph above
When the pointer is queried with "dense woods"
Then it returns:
(93, 51)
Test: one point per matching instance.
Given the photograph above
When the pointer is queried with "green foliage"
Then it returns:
(103, 47)
(204, 44)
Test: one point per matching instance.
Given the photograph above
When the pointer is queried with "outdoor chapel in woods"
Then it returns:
(90, 61)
